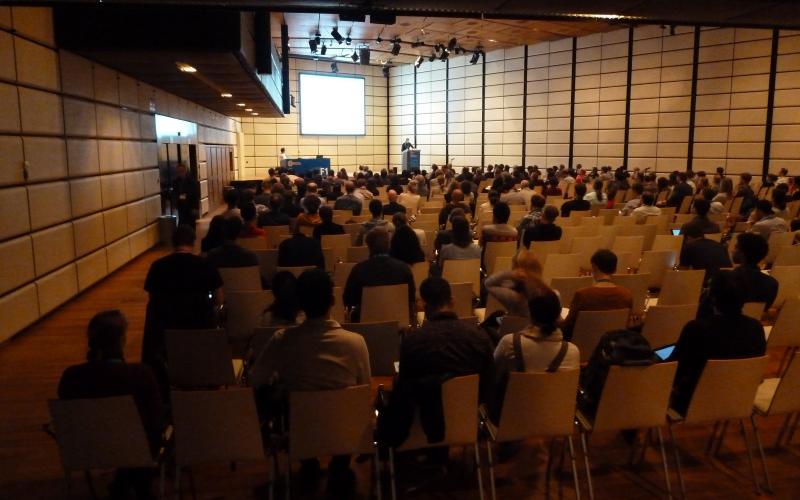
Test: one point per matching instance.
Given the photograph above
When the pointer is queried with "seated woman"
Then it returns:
(405, 245)
(462, 246)
(512, 288)
(283, 311)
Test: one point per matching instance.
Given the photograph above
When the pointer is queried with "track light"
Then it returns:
(395, 46)
(354, 57)
(336, 35)
(445, 54)
(313, 46)
(317, 37)
(348, 40)
(475, 56)
(451, 45)
(323, 50)
(432, 57)
(379, 40)
(419, 62)
(334, 67)
(386, 71)
(416, 44)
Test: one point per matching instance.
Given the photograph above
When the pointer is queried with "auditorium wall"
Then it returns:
(264, 137)
(79, 182)
(502, 109)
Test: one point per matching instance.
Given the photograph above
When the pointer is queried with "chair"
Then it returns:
(341, 271)
(622, 220)
(567, 286)
(101, 433)
(463, 270)
(777, 241)
(628, 244)
(214, 427)
(637, 285)
(668, 242)
(513, 324)
(608, 215)
(686, 205)
(353, 229)
(357, 254)
(296, 270)
(788, 255)
(273, 234)
(243, 314)
(785, 333)
(338, 311)
(502, 264)
(536, 405)
(591, 325)
(656, 264)
(492, 305)
(385, 303)
(198, 358)
(267, 262)
(460, 405)
(339, 243)
(462, 299)
(240, 278)
(561, 266)
(664, 324)
(570, 232)
(495, 249)
(383, 344)
(644, 408)
(541, 249)
(788, 283)
(681, 287)
(725, 391)
(586, 246)
(754, 310)
(420, 270)
(253, 243)
(592, 221)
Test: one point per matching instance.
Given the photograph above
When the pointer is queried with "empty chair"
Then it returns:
(681, 287)
(628, 244)
(357, 254)
(586, 246)
(561, 266)
(656, 264)
(608, 215)
(100, 433)
(567, 286)
(495, 249)
(637, 284)
(668, 242)
(240, 278)
(462, 299)
(725, 391)
(296, 270)
(420, 270)
(215, 427)
(785, 331)
(460, 408)
(198, 358)
(267, 262)
(592, 221)
(568, 233)
(549, 414)
(647, 230)
(385, 303)
(664, 324)
(622, 220)
(788, 255)
(591, 325)
(243, 313)
(788, 283)
(541, 249)
(463, 270)
(274, 234)
(339, 243)
(383, 344)
(341, 271)
(778, 241)
(644, 408)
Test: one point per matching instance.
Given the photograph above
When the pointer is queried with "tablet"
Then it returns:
(665, 352)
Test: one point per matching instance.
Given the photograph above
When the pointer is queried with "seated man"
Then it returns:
(442, 348)
(250, 229)
(603, 295)
(393, 207)
(765, 222)
(349, 201)
(456, 201)
(728, 334)
(750, 250)
(106, 374)
(577, 204)
(230, 254)
(646, 209)
(537, 202)
(701, 206)
(636, 201)
(701, 253)
(499, 230)
(380, 269)
(377, 221)
(410, 198)
(317, 355)
(327, 226)
(310, 216)
(275, 215)
(300, 250)
(545, 230)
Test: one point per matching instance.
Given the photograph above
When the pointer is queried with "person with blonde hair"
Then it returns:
(514, 288)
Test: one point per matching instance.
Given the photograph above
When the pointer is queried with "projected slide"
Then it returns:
(331, 105)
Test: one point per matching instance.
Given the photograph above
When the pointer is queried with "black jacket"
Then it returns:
(378, 270)
(300, 250)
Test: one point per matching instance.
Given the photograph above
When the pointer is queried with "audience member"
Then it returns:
(284, 308)
(597, 196)
(461, 245)
(349, 201)
(700, 252)
(499, 230)
(379, 270)
(392, 207)
(185, 196)
(750, 250)
(546, 230)
(405, 245)
(603, 295)
(513, 288)
(230, 254)
(765, 222)
(577, 204)
(310, 217)
(411, 198)
(275, 215)
(635, 202)
(231, 198)
(215, 234)
(250, 229)
(326, 225)
(647, 209)
(531, 219)
(300, 250)
(377, 221)
(701, 206)
(399, 219)
(681, 190)
(456, 201)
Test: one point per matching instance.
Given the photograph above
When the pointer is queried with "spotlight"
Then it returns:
(451, 45)
(317, 37)
(395, 46)
(185, 67)
(226, 95)
(386, 71)
(475, 56)
(445, 54)
(419, 62)
(334, 67)
(379, 40)
(432, 57)
(416, 44)
(336, 35)
(323, 49)
(354, 57)
(348, 40)
(248, 109)
(313, 46)
(241, 104)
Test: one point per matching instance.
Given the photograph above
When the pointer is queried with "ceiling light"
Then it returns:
(451, 45)
(255, 114)
(419, 62)
(248, 109)
(185, 67)
(475, 56)
(323, 50)
(348, 40)
(432, 57)
(317, 37)
(386, 71)
(336, 35)
(396, 46)
(226, 95)
(354, 57)
(313, 46)
(493, 40)
(334, 67)
(445, 54)
(241, 104)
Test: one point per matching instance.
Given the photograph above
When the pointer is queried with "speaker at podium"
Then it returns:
(410, 159)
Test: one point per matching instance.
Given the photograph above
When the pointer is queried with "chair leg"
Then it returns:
(677, 455)
(89, 482)
(712, 438)
(391, 473)
(585, 450)
(761, 453)
(377, 461)
(287, 487)
(191, 484)
(177, 486)
(794, 428)
(787, 422)
(664, 461)
(478, 469)
(574, 468)
(749, 456)
(162, 479)
(492, 486)
(720, 438)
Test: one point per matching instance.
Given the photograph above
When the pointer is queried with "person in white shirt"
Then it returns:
(597, 196)
(765, 220)
(409, 198)
(647, 208)
(283, 156)
(634, 203)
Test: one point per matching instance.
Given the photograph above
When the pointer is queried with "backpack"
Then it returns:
(618, 347)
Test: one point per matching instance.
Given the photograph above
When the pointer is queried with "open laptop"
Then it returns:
(665, 352)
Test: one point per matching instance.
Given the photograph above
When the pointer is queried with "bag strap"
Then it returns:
(559, 357)
(519, 360)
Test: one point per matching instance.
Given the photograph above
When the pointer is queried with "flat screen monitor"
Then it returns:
(331, 104)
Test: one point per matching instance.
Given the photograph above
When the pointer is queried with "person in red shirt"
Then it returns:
(250, 229)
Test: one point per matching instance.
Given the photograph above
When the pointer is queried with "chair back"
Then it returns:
(787, 255)
(460, 405)
(244, 312)
(541, 249)
(495, 249)
(637, 285)
(492, 305)
(420, 270)
(512, 324)
(338, 311)
(635, 397)
(383, 345)
(463, 270)
(668, 242)
(656, 264)
(686, 204)
(568, 233)
(622, 220)
(607, 214)
(462, 299)
(274, 234)
(538, 404)
(261, 336)
(502, 263)
(754, 310)
(101, 433)
(253, 243)
(586, 246)
(788, 283)
(726, 389)
(346, 428)
(267, 262)
(567, 286)
(785, 331)
(198, 358)
(341, 271)
(777, 241)
(216, 426)
(338, 243)
(787, 394)
(240, 278)
(296, 270)
(663, 324)
(591, 325)
(561, 265)
(385, 303)
(628, 244)
(357, 254)
(681, 287)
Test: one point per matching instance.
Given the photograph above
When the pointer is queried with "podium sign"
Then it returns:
(410, 159)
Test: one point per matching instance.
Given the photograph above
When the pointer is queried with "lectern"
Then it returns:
(410, 159)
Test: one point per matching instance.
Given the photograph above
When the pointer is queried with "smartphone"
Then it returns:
(665, 352)
(676, 232)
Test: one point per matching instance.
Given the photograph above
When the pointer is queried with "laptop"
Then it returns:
(665, 352)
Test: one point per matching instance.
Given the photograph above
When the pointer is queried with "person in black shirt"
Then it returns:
(215, 235)
(230, 254)
(186, 196)
(406, 145)
(184, 290)
(275, 216)
(327, 226)
(349, 201)
(701, 207)
(300, 250)
(545, 230)
(701, 253)
(393, 207)
(680, 191)
(728, 334)
(750, 250)
(577, 204)
(456, 201)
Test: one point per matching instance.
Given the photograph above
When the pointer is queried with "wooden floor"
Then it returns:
(32, 362)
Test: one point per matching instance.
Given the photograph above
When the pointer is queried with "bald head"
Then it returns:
(311, 188)
(349, 187)
(392, 194)
(457, 196)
